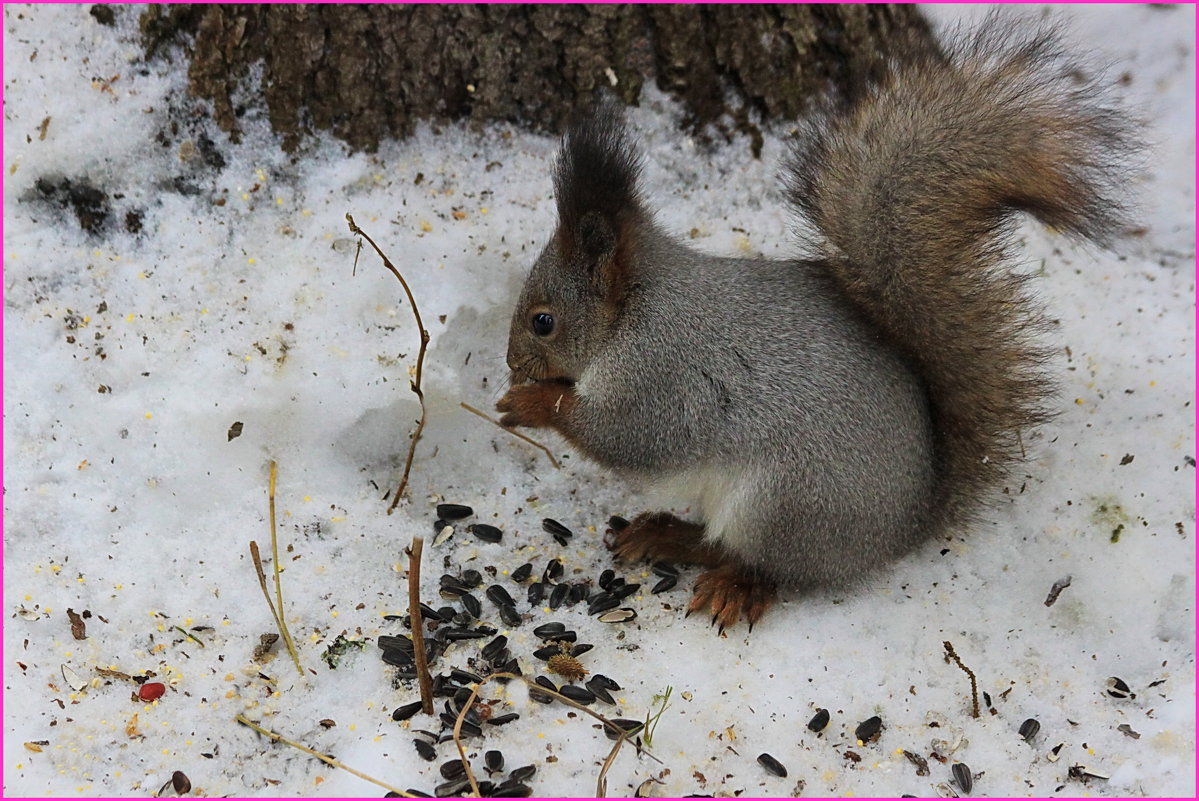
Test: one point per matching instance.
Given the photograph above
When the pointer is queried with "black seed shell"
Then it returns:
(773, 765)
(536, 593)
(454, 511)
(499, 596)
(425, 749)
(494, 760)
(962, 776)
(605, 682)
(868, 730)
(492, 649)
(546, 631)
(617, 523)
(472, 578)
(819, 720)
(579, 695)
(667, 583)
(510, 616)
(522, 774)
(556, 528)
(406, 711)
(1029, 729)
(500, 720)
(605, 578)
(452, 769)
(559, 595)
(471, 604)
(486, 532)
(522, 573)
(664, 569)
(553, 570)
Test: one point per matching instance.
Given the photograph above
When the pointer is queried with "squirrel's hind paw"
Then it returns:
(730, 593)
(662, 537)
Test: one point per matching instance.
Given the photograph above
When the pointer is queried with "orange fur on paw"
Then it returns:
(731, 593)
(538, 405)
(662, 537)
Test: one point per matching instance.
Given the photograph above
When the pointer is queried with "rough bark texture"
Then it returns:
(367, 72)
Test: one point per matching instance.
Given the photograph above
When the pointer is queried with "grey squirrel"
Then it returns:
(825, 414)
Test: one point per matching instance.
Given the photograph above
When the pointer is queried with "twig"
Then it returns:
(328, 760)
(951, 654)
(474, 694)
(256, 558)
(516, 434)
(280, 616)
(417, 621)
(601, 782)
(420, 358)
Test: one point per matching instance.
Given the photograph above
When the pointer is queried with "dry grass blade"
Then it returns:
(328, 760)
(474, 694)
(279, 615)
(420, 359)
(516, 434)
(418, 630)
(952, 654)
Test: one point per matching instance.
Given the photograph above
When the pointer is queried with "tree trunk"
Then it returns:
(366, 72)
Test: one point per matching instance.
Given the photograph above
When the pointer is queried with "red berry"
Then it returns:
(151, 691)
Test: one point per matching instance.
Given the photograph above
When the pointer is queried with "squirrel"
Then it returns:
(828, 413)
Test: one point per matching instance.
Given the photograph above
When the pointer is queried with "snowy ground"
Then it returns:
(129, 356)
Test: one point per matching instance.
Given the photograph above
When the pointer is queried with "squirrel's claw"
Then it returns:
(730, 593)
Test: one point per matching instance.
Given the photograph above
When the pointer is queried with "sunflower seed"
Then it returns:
(485, 532)
(819, 720)
(425, 749)
(546, 683)
(618, 523)
(600, 693)
(558, 596)
(625, 591)
(541, 697)
(469, 728)
(510, 616)
(397, 658)
(499, 596)
(500, 720)
(446, 613)
(664, 569)
(557, 529)
(553, 571)
(579, 695)
(439, 524)
(665, 584)
(547, 631)
(492, 649)
(1117, 688)
(511, 666)
(494, 760)
(471, 604)
(511, 789)
(443, 535)
(468, 634)
(1029, 729)
(605, 682)
(400, 641)
(411, 792)
(521, 573)
(453, 511)
(406, 711)
(452, 769)
(547, 652)
(536, 593)
(613, 728)
(465, 677)
(605, 578)
(522, 774)
(773, 765)
(578, 592)
(962, 776)
(472, 578)
(868, 730)
(622, 615)
(581, 649)
(602, 603)
(451, 789)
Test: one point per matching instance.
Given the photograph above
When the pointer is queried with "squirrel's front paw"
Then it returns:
(535, 405)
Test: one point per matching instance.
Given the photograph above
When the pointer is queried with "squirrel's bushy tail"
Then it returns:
(913, 190)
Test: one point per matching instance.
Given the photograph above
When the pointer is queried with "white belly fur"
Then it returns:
(722, 498)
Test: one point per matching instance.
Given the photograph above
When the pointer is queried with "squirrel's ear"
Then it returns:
(599, 205)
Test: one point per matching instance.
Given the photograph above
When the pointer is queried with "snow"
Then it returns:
(239, 302)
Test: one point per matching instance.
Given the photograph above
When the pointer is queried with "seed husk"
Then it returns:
(622, 615)
(1055, 753)
(602, 603)
(578, 592)
(452, 769)
(558, 596)
(536, 593)
(499, 596)
(605, 682)
(617, 523)
(625, 591)
(494, 760)
(920, 762)
(1117, 688)
(522, 573)
(577, 694)
(493, 649)
(599, 692)
(1029, 729)
(819, 720)
(868, 730)
(962, 776)
(605, 578)
(522, 774)
(500, 720)
(773, 765)
(557, 529)
(406, 711)
(439, 524)
(553, 571)
(667, 583)
(546, 631)
(454, 511)
(425, 749)
(471, 604)
(429, 613)
(469, 728)
(510, 616)
(444, 534)
(486, 532)
(664, 569)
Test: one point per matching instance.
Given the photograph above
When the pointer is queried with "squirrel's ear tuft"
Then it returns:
(599, 203)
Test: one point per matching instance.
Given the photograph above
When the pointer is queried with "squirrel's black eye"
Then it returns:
(543, 324)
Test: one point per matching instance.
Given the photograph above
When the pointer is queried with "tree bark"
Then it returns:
(367, 72)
